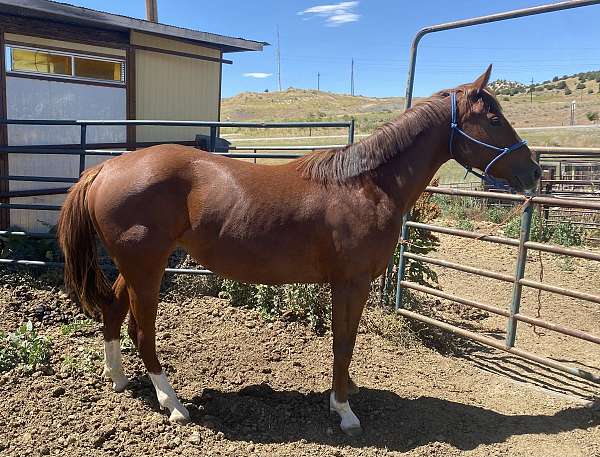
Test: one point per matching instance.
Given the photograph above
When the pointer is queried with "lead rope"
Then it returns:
(539, 292)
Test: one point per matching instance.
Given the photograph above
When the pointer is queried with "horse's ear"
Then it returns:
(480, 83)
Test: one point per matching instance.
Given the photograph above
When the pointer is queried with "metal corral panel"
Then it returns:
(174, 87)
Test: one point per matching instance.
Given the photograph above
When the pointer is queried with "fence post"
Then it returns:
(402, 260)
(526, 216)
(351, 132)
(83, 143)
(212, 142)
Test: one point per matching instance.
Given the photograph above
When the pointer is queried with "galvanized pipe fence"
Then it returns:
(518, 281)
(82, 151)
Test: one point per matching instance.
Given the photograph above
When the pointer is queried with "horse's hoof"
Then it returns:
(120, 384)
(179, 417)
(354, 430)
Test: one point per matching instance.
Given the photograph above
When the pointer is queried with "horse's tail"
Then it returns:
(84, 279)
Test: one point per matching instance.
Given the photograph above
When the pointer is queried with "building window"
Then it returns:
(64, 65)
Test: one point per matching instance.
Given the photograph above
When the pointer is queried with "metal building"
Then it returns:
(60, 61)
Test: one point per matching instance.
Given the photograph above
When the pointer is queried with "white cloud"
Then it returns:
(258, 75)
(336, 14)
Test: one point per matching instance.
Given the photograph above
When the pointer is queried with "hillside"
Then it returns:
(310, 105)
(549, 104)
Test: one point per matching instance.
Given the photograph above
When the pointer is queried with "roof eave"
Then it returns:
(71, 14)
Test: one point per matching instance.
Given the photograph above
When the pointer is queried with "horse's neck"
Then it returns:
(405, 177)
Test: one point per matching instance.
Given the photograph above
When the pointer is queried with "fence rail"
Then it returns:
(82, 151)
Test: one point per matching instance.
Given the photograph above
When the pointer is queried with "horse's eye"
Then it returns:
(495, 120)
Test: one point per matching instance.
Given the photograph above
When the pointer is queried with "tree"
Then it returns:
(561, 85)
(555, 79)
(592, 116)
(580, 86)
(568, 91)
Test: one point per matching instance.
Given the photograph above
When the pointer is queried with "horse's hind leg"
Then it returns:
(143, 282)
(113, 315)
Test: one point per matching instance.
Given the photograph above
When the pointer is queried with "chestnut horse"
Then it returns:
(331, 216)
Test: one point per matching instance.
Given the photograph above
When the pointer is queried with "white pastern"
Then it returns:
(168, 399)
(350, 423)
(113, 365)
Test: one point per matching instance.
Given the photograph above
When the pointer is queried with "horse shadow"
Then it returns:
(263, 415)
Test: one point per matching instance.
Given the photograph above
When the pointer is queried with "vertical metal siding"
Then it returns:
(176, 88)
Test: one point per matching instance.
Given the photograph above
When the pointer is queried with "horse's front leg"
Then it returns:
(349, 297)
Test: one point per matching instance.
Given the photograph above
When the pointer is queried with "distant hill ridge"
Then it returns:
(568, 83)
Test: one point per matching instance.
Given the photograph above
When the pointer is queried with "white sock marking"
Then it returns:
(113, 365)
(349, 420)
(168, 399)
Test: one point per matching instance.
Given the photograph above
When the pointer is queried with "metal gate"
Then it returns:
(518, 281)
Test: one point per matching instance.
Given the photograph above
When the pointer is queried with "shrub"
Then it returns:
(496, 214)
(564, 233)
(24, 346)
(422, 241)
(561, 85)
(592, 116)
(567, 234)
(580, 86)
(465, 224)
(21, 247)
(308, 303)
(568, 91)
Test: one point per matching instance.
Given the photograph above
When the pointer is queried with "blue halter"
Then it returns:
(486, 177)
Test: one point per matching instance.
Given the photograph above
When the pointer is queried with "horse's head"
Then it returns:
(497, 149)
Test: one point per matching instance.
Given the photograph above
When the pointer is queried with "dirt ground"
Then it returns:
(260, 388)
(577, 274)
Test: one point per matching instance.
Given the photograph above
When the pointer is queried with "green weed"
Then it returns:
(77, 325)
(24, 346)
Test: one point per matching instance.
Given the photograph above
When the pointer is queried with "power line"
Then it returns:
(352, 78)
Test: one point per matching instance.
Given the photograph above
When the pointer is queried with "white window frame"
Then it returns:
(9, 47)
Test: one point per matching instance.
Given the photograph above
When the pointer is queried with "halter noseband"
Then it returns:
(454, 128)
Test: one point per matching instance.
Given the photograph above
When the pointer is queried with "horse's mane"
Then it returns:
(342, 165)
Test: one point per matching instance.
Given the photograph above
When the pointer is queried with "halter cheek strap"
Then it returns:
(454, 129)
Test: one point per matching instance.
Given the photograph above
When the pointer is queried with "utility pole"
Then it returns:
(318, 82)
(352, 77)
(573, 112)
(531, 91)
(278, 61)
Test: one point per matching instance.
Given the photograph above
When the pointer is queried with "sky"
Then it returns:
(324, 36)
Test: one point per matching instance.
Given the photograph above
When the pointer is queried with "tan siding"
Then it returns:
(175, 88)
(152, 41)
(41, 42)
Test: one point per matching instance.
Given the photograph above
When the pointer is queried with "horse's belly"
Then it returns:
(268, 260)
